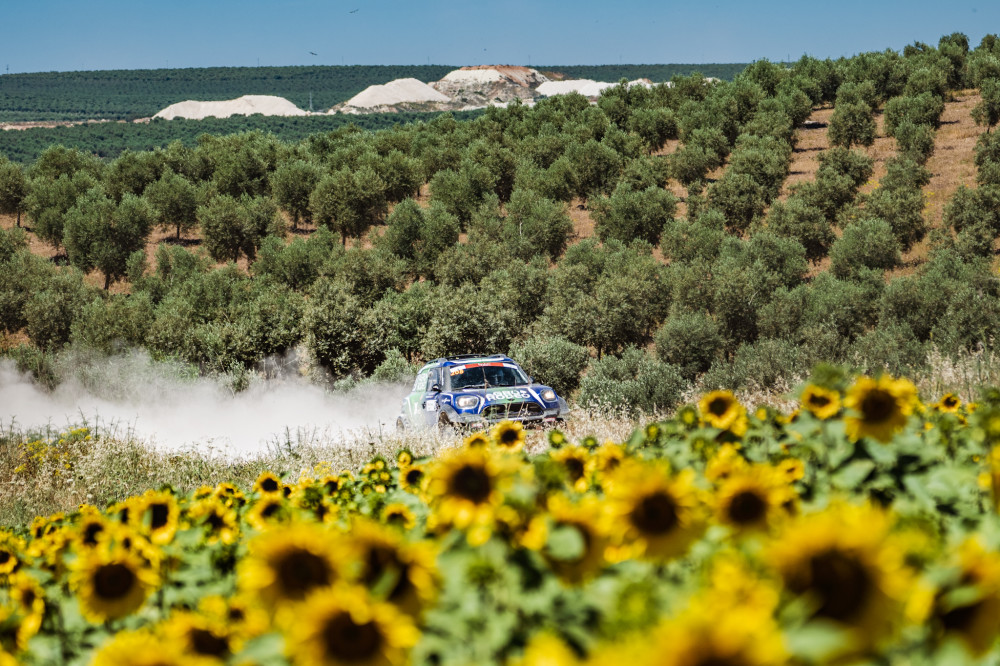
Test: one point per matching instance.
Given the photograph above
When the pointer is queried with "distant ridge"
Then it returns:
(140, 93)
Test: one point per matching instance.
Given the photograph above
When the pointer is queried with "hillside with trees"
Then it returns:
(371, 250)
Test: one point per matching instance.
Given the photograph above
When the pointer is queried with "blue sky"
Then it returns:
(64, 35)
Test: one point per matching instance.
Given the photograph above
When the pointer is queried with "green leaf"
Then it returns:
(853, 474)
(565, 543)
(263, 650)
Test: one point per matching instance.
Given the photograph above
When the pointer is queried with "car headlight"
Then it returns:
(466, 401)
(548, 395)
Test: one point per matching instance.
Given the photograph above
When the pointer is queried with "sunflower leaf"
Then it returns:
(565, 543)
(853, 474)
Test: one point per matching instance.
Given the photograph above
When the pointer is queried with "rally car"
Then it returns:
(474, 390)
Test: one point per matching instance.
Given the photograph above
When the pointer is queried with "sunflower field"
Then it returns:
(860, 528)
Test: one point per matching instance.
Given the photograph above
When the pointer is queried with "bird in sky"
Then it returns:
(313, 53)
(354, 11)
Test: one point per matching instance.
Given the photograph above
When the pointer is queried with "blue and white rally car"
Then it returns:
(474, 390)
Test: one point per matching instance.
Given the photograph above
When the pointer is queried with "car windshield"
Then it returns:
(486, 376)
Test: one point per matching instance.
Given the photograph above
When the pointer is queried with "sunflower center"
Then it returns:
(575, 467)
(509, 436)
(4, 557)
(715, 660)
(842, 584)
(878, 406)
(160, 514)
(331, 487)
(269, 509)
(114, 581)
(718, 406)
(472, 483)
(655, 513)
(381, 561)
(215, 521)
(747, 507)
(207, 643)
(819, 400)
(300, 571)
(961, 618)
(413, 476)
(347, 641)
(269, 485)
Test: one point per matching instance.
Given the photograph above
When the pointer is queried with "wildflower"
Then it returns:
(556, 438)
(588, 517)
(401, 573)
(949, 403)
(267, 483)
(157, 515)
(752, 499)
(577, 464)
(465, 488)
(142, 648)
(397, 514)
(969, 605)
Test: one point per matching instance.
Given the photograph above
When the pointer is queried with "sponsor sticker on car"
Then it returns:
(515, 394)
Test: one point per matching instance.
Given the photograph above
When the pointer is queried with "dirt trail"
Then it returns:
(811, 140)
(953, 162)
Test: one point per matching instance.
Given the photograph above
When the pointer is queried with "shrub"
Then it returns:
(852, 124)
(701, 237)
(740, 198)
(690, 341)
(903, 209)
(552, 360)
(803, 222)
(868, 243)
(888, 348)
(395, 368)
(627, 215)
(633, 383)
(922, 109)
(764, 364)
(915, 142)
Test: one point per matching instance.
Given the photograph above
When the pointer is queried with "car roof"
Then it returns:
(462, 359)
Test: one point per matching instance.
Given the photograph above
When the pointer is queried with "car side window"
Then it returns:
(420, 384)
(433, 378)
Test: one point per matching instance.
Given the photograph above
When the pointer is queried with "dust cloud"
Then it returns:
(162, 404)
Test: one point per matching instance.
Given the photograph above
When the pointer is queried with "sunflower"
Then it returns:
(821, 402)
(287, 565)
(792, 469)
(404, 458)
(556, 438)
(588, 518)
(143, 648)
(267, 483)
(609, 456)
(509, 435)
(11, 549)
(465, 488)
(577, 465)
(157, 516)
(243, 618)
(89, 527)
(546, 649)
(218, 520)
(656, 515)
(111, 582)
(342, 625)
(727, 461)
(397, 514)
(752, 499)
(703, 636)
(476, 440)
(969, 605)
(949, 403)
(879, 407)
(848, 568)
(412, 478)
(392, 569)
(198, 635)
(721, 409)
(25, 591)
(271, 509)
(687, 416)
